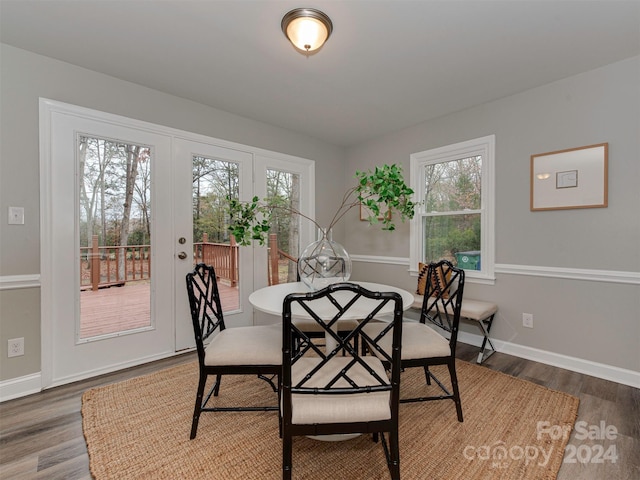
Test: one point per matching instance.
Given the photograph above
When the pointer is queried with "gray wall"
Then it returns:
(24, 78)
(589, 320)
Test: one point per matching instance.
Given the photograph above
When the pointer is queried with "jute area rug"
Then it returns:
(139, 429)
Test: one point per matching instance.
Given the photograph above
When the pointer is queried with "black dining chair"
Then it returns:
(422, 345)
(340, 390)
(252, 350)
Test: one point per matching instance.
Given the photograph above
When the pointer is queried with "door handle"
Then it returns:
(182, 255)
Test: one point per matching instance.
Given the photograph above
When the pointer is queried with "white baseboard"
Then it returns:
(96, 372)
(20, 387)
(587, 367)
(29, 384)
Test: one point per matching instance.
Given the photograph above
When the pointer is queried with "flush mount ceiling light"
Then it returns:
(306, 28)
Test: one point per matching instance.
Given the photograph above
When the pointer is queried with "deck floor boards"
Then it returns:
(119, 309)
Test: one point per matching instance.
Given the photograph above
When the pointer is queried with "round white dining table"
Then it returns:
(270, 299)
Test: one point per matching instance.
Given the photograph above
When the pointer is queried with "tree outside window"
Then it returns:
(453, 194)
(213, 181)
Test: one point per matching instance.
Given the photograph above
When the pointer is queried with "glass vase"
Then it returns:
(324, 262)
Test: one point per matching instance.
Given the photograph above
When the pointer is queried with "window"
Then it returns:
(455, 219)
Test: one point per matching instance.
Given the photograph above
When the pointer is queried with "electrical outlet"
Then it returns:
(527, 320)
(16, 347)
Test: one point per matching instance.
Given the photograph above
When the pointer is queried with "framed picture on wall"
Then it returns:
(572, 178)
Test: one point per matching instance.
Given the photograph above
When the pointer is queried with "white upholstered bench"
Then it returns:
(479, 312)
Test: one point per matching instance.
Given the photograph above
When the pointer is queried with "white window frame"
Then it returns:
(484, 147)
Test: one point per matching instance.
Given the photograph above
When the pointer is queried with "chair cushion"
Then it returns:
(254, 345)
(418, 340)
(472, 309)
(335, 408)
(477, 310)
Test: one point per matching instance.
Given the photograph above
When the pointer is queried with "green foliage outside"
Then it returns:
(213, 182)
(453, 201)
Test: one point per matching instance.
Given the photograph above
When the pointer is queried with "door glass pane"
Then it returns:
(283, 189)
(115, 237)
(213, 181)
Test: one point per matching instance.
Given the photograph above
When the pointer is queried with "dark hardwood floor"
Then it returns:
(41, 435)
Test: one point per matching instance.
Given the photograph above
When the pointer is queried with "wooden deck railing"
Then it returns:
(102, 267)
(275, 255)
(113, 265)
(224, 257)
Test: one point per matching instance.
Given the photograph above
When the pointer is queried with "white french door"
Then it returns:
(252, 170)
(162, 221)
(298, 175)
(70, 351)
(214, 164)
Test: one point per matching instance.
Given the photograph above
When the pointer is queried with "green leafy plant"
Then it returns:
(383, 191)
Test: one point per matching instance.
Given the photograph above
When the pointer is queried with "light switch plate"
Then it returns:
(16, 216)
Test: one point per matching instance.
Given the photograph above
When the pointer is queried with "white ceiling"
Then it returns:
(388, 65)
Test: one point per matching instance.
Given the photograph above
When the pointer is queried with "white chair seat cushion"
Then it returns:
(418, 340)
(255, 345)
(477, 310)
(472, 309)
(335, 408)
(309, 325)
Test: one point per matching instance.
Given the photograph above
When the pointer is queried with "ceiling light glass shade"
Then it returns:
(306, 28)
